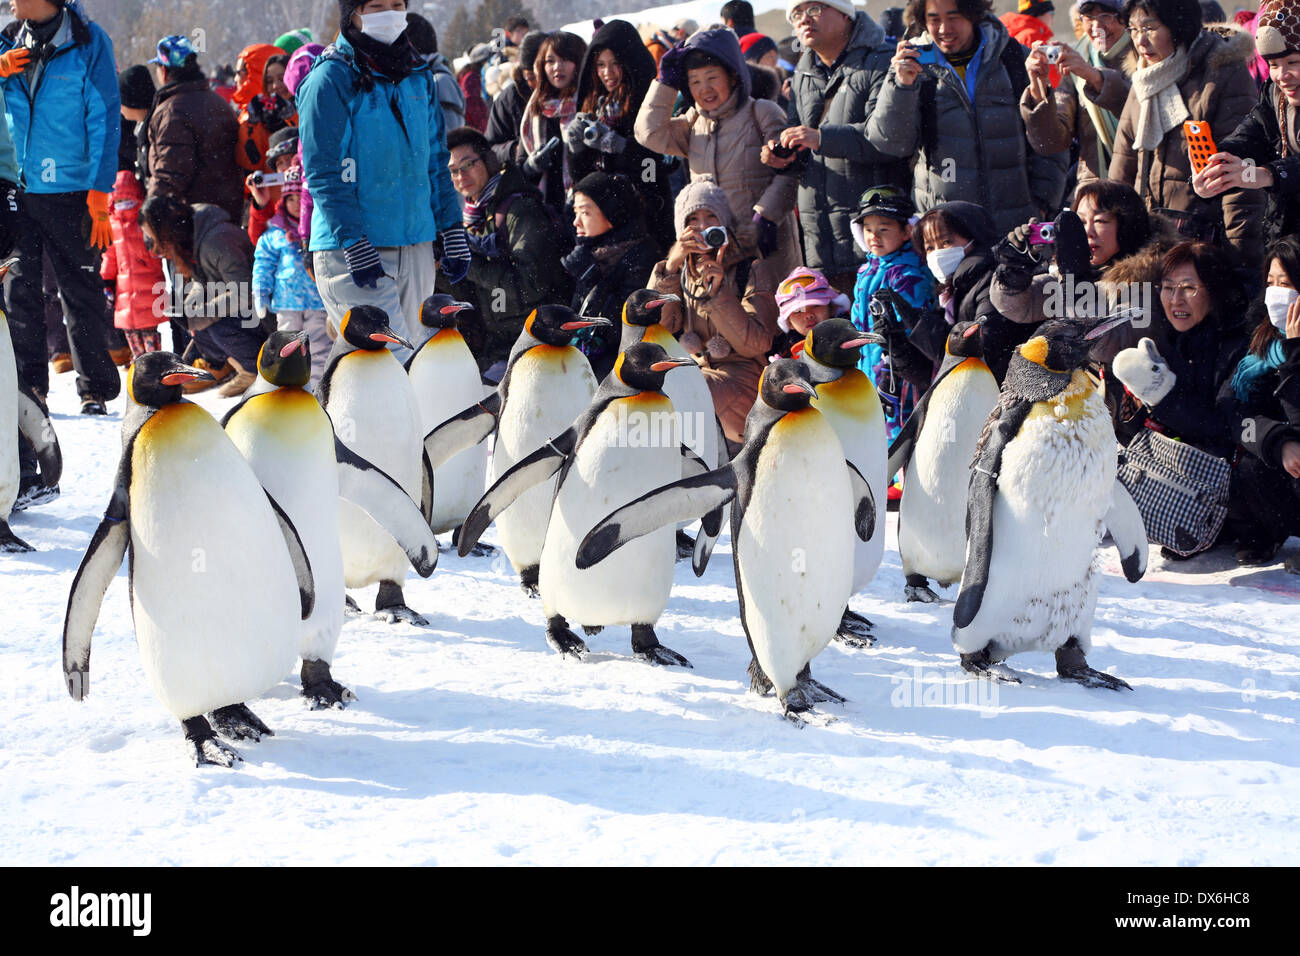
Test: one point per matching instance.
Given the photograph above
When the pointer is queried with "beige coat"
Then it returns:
(726, 147)
(1218, 90)
(745, 318)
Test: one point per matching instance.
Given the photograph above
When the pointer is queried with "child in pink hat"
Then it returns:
(804, 298)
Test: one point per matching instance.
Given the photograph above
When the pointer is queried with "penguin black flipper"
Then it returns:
(426, 487)
(683, 500)
(1127, 529)
(297, 557)
(1003, 424)
(464, 430)
(378, 495)
(34, 424)
(692, 464)
(710, 525)
(98, 568)
(864, 503)
(524, 474)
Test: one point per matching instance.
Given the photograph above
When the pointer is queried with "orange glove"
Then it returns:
(15, 61)
(101, 232)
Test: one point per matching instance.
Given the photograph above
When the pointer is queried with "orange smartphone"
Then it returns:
(1200, 144)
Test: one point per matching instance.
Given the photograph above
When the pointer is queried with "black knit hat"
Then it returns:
(136, 88)
(614, 194)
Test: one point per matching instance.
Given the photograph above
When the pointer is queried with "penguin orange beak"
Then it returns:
(662, 301)
(976, 328)
(866, 338)
(669, 364)
(299, 342)
(455, 308)
(388, 335)
(584, 322)
(794, 388)
(182, 374)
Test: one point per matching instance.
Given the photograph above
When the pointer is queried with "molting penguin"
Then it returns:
(21, 413)
(790, 489)
(446, 379)
(848, 399)
(219, 580)
(624, 445)
(547, 384)
(1042, 494)
(290, 443)
(375, 413)
(935, 446)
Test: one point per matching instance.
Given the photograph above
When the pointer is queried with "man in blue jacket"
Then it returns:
(375, 157)
(62, 108)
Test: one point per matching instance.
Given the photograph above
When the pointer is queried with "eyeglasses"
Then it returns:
(462, 169)
(1092, 19)
(811, 11)
(1148, 32)
(1187, 291)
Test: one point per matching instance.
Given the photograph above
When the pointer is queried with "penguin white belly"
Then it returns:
(446, 381)
(852, 408)
(1054, 489)
(213, 593)
(8, 421)
(692, 401)
(373, 407)
(794, 546)
(932, 512)
(286, 438)
(631, 586)
(549, 388)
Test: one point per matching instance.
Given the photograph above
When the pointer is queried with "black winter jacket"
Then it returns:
(1259, 138)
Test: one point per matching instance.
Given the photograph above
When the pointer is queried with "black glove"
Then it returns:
(364, 264)
(1073, 257)
(672, 68)
(768, 235)
(535, 166)
(893, 315)
(1016, 263)
(573, 132)
(8, 217)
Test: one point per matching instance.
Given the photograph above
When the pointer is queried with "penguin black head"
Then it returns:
(556, 324)
(838, 343)
(439, 311)
(1043, 366)
(643, 306)
(285, 359)
(966, 340)
(785, 386)
(644, 365)
(155, 379)
(366, 327)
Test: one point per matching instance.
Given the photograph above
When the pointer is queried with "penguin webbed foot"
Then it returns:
(855, 630)
(321, 690)
(478, 550)
(758, 681)
(646, 646)
(204, 747)
(917, 589)
(1072, 666)
(351, 608)
(10, 543)
(237, 722)
(685, 546)
(589, 630)
(528, 581)
(390, 606)
(979, 664)
(814, 691)
(563, 640)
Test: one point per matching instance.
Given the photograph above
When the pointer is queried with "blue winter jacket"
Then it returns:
(8, 158)
(67, 131)
(376, 158)
(278, 273)
(904, 272)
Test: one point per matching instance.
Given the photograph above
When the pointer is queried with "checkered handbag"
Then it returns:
(1181, 491)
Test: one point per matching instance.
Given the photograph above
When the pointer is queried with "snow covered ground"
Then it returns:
(473, 743)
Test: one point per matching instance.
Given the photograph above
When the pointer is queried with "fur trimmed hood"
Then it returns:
(1236, 46)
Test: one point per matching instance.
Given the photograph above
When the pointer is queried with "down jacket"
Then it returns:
(838, 102)
(966, 150)
(278, 272)
(137, 273)
(1219, 90)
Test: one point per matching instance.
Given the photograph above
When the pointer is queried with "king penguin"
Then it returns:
(1042, 494)
(791, 490)
(850, 403)
(446, 379)
(625, 444)
(547, 384)
(372, 405)
(219, 579)
(21, 413)
(933, 449)
(290, 443)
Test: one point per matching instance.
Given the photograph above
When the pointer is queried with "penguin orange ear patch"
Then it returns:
(618, 366)
(343, 325)
(1035, 350)
(528, 322)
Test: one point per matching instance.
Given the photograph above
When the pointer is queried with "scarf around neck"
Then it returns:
(394, 60)
(533, 130)
(1162, 106)
(481, 231)
(1252, 369)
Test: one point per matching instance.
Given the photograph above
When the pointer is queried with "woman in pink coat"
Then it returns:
(132, 277)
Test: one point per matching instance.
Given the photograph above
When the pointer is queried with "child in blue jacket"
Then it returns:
(280, 281)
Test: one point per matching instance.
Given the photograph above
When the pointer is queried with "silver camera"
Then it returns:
(715, 237)
(1051, 52)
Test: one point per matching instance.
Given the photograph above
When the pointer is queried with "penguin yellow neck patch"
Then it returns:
(1035, 350)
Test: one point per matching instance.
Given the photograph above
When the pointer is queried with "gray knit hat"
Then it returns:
(701, 194)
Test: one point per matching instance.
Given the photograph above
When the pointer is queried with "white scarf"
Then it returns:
(1156, 88)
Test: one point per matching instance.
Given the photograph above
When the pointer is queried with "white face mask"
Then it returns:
(384, 26)
(943, 262)
(1277, 300)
